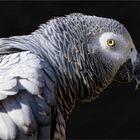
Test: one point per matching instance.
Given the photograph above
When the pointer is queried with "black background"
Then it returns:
(116, 113)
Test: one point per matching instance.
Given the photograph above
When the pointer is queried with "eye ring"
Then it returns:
(111, 42)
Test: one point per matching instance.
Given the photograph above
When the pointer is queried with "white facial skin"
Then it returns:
(121, 51)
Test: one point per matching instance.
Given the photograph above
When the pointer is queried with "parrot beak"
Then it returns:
(125, 73)
(130, 70)
(136, 71)
(135, 62)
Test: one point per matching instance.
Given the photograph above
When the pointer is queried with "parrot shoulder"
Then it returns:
(20, 71)
(26, 95)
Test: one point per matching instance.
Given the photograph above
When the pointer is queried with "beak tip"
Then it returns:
(137, 84)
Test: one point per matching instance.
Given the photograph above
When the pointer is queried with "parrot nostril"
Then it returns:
(131, 49)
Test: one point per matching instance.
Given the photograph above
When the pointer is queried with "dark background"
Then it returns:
(116, 113)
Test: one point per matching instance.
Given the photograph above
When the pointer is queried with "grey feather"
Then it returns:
(44, 74)
(8, 128)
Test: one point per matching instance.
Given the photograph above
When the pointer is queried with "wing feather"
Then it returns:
(6, 124)
(23, 96)
(20, 71)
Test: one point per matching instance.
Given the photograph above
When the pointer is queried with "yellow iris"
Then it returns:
(111, 42)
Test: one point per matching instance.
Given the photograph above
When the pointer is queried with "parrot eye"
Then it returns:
(110, 42)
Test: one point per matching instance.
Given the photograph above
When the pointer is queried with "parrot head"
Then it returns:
(115, 48)
(120, 50)
(91, 50)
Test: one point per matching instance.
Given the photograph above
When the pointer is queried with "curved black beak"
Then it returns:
(136, 71)
(130, 70)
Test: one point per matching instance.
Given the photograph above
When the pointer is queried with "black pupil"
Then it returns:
(110, 41)
(131, 49)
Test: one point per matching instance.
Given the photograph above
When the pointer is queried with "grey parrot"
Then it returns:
(67, 60)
